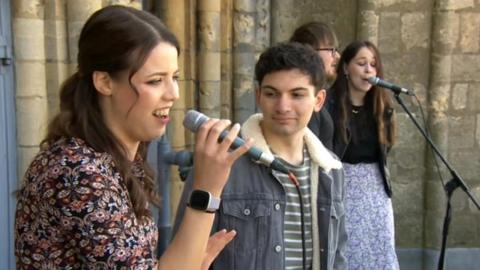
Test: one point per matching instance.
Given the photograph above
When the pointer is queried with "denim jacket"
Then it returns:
(253, 204)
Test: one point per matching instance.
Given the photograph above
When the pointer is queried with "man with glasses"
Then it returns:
(322, 39)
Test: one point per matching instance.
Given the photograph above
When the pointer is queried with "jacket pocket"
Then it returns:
(251, 219)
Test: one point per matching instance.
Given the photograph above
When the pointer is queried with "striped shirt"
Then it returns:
(292, 223)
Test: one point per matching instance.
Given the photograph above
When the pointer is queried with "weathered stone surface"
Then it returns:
(28, 39)
(31, 81)
(445, 32)
(28, 8)
(368, 26)
(209, 31)
(415, 30)
(466, 68)
(461, 132)
(389, 37)
(209, 5)
(454, 4)
(459, 96)
(244, 29)
(470, 29)
(56, 40)
(25, 155)
(32, 115)
(209, 69)
(244, 5)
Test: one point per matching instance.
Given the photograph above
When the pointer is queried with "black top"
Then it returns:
(321, 124)
(364, 146)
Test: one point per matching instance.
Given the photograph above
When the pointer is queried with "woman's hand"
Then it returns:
(213, 159)
(215, 245)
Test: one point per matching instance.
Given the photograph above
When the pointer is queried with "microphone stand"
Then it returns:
(449, 187)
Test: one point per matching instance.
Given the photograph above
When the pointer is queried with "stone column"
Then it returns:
(367, 21)
(244, 58)
(174, 14)
(209, 56)
(78, 12)
(31, 92)
(56, 51)
(444, 38)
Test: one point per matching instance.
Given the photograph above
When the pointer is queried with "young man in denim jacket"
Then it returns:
(261, 204)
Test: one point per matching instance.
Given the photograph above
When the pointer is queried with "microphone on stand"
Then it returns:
(395, 88)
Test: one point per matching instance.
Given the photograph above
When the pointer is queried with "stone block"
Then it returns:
(244, 64)
(389, 38)
(210, 96)
(465, 67)
(176, 128)
(209, 5)
(454, 4)
(446, 32)
(408, 197)
(459, 96)
(243, 29)
(389, 3)
(477, 131)
(463, 229)
(32, 117)
(245, 5)
(30, 79)
(209, 31)
(368, 26)
(466, 162)
(130, 3)
(56, 74)
(408, 229)
(441, 68)
(470, 29)
(209, 66)
(56, 40)
(29, 39)
(408, 159)
(408, 137)
(74, 28)
(33, 9)
(25, 155)
(80, 10)
(55, 10)
(461, 134)
(415, 30)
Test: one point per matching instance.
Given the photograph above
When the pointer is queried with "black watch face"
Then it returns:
(199, 199)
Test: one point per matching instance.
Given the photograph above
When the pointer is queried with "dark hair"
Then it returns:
(315, 34)
(114, 39)
(377, 100)
(291, 55)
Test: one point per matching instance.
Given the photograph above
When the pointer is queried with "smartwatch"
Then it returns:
(203, 201)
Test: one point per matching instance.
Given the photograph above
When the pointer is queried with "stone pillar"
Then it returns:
(56, 51)
(367, 21)
(181, 23)
(209, 56)
(31, 92)
(244, 58)
(444, 38)
(226, 69)
(78, 12)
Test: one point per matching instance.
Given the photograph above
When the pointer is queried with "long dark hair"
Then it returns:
(114, 39)
(377, 100)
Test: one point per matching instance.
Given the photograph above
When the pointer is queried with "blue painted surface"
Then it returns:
(8, 156)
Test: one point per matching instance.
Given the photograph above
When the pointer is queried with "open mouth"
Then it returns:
(160, 114)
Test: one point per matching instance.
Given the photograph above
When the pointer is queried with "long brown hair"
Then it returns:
(377, 100)
(114, 39)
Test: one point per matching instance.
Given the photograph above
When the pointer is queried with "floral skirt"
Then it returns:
(369, 219)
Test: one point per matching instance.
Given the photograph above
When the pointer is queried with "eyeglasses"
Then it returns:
(333, 51)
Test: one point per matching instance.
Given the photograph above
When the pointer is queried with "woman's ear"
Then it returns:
(102, 82)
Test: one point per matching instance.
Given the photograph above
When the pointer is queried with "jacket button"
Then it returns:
(322, 209)
(278, 248)
(322, 250)
(246, 212)
(277, 206)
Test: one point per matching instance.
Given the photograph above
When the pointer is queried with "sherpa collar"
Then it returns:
(318, 153)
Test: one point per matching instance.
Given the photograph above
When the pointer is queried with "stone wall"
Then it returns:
(430, 46)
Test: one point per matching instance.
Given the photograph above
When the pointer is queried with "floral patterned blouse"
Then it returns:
(74, 212)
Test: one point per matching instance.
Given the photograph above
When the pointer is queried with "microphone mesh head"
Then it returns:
(193, 120)
(373, 80)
